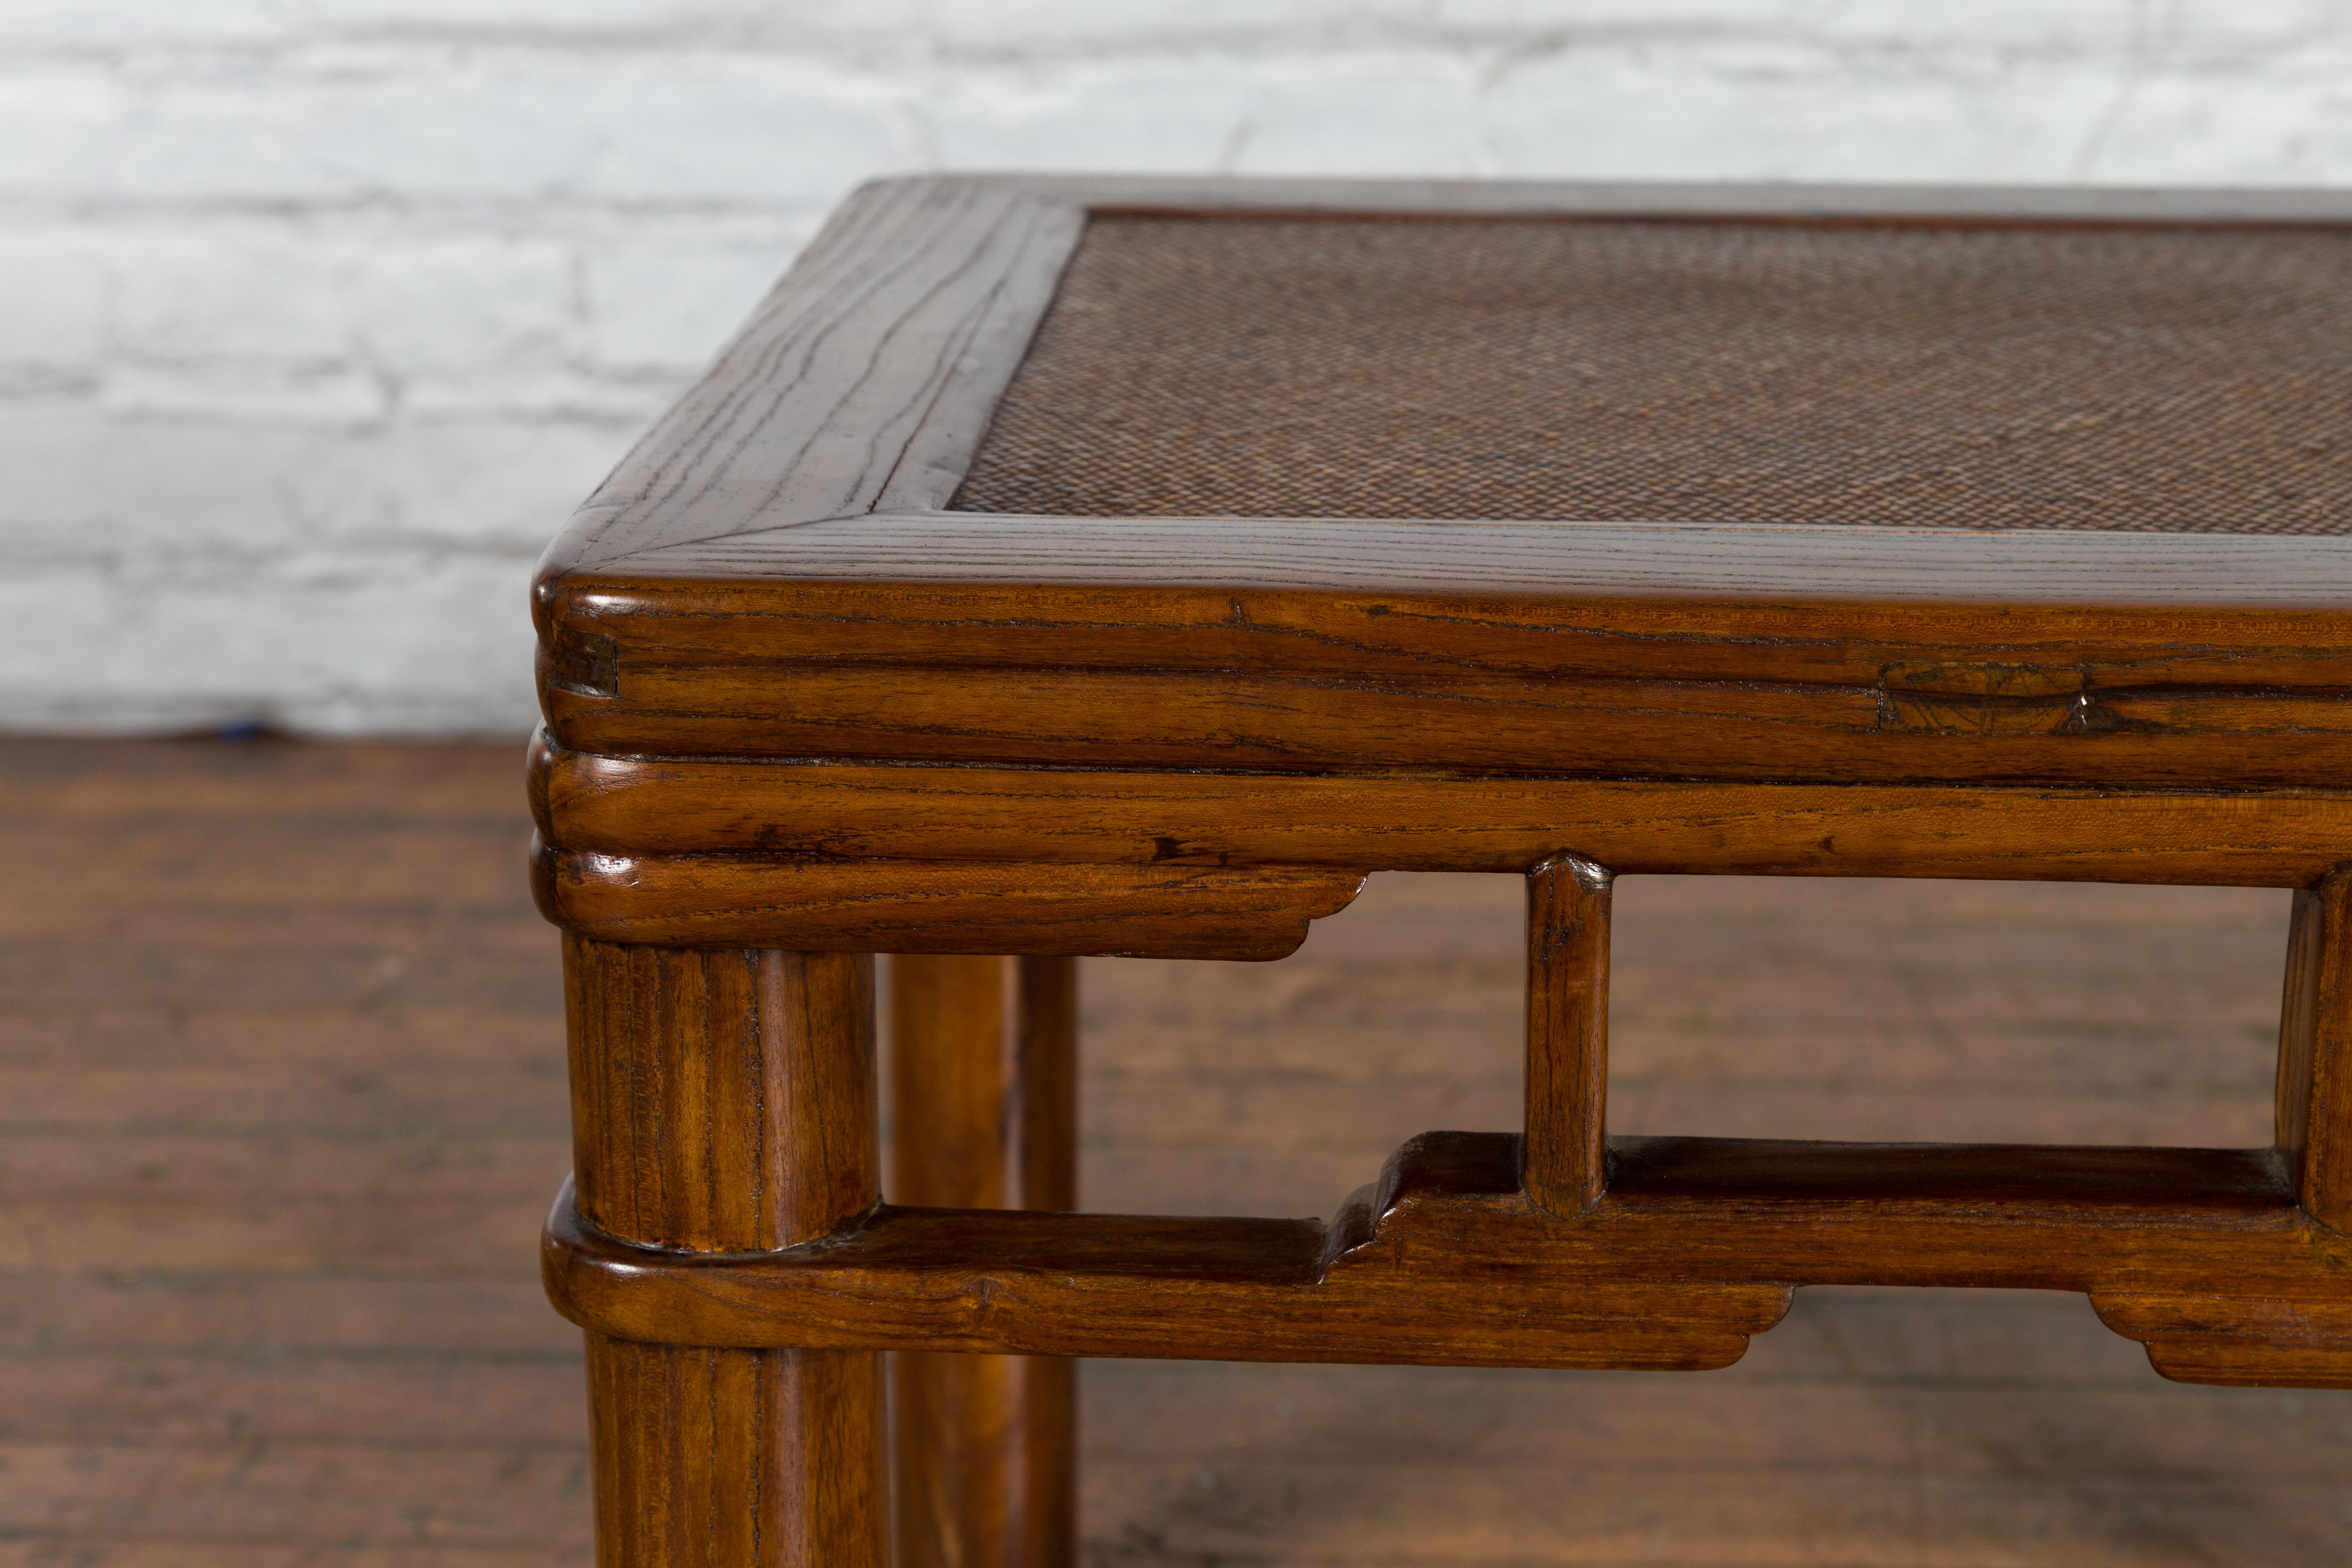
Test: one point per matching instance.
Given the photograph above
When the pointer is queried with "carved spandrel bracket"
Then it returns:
(809, 905)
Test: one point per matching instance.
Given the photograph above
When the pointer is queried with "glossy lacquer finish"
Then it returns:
(800, 711)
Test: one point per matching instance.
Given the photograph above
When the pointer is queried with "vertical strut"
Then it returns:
(1564, 1166)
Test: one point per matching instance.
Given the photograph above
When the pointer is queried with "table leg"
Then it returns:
(2315, 1082)
(983, 1115)
(724, 1101)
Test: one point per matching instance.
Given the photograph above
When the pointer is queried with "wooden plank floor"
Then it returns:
(280, 1075)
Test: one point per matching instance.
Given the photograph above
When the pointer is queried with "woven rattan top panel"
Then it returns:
(2133, 378)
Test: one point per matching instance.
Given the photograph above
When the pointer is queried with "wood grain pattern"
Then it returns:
(865, 377)
(1466, 722)
(724, 1103)
(1820, 664)
(1421, 823)
(955, 1085)
(272, 1203)
(1564, 1165)
(762, 570)
(983, 1113)
(872, 366)
(1691, 1249)
(2315, 1116)
(1581, 600)
(985, 1466)
(1091, 1285)
(747, 901)
(735, 1457)
(711, 1107)
(770, 577)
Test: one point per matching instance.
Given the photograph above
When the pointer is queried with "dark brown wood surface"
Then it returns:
(1554, 1249)
(2315, 1077)
(1564, 1158)
(769, 572)
(865, 379)
(1838, 607)
(1694, 1246)
(282, 1056)
(915, 906)
(983, 1114)
(2190, 665)
(899, 324)
(725, 1102)
(1734, 726)
(699, 813)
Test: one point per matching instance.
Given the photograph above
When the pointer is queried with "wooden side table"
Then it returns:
(1064, 567)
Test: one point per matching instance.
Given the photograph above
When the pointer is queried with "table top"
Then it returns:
(2010, 450)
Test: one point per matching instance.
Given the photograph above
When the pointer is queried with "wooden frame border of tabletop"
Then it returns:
(798, 712)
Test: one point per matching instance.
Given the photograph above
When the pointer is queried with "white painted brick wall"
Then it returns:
(301, 297)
